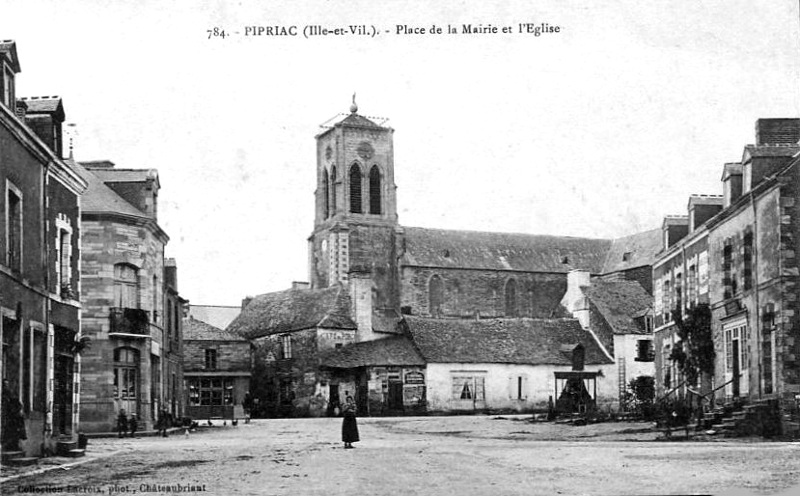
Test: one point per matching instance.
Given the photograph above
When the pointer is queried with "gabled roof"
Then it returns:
(99, 198)
(632, 251)
(620, 302)
(294, 310)
(8, 48)
(44, 105)
(502, 251)
(196, 330)
(391, 351)
(519, 341)
(216, 315)
(358, 121)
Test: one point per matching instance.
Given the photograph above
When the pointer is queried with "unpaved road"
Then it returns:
(425, 456)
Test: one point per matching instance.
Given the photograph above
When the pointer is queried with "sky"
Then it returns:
(598, 130)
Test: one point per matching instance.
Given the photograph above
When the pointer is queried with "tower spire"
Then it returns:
(354, 107)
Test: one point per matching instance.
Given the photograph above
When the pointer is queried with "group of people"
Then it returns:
(127, 426)
(13, 421)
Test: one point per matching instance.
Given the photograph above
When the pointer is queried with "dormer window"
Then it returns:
(8, 88)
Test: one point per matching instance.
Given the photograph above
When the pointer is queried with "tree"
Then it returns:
(694, 353)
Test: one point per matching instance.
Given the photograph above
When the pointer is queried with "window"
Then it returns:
(435, 296)
(729, 274)
(666, 366)
(645, 351)
(212, 391)
(8, 89)
(691, 287)
(325, 194)
(126, 286)
(626, 257)
(286, 346)
(355, 189)
(64, 263)
(155, 299)
(126, 363)
(768, 324)
(747, 260)
(679, 293)
(211, 359)
(286, 391)
(13, 227)
(468, 387)
(666, 303)
(736, 339)
(375, 190)
(511, 298)
(333, 190)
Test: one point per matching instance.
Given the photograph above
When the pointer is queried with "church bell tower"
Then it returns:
(355, 224)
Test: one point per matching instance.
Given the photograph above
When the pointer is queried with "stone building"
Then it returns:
(174, 309)
(122, 265)
(740, 257)
(40, 285)
(216, 369)
(392, 272)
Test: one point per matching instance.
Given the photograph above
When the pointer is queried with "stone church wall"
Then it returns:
(467, 291)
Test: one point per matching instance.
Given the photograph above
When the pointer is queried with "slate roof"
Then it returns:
(518, 341)
(294, 310)
(620, 302)
(109, 175)
(357, 120)
(391, 351)
(502, 251)
(387, 321)
(99, 198)
(641, 247)
(43, 104)
(197, 330)
(216, 315)
(770, 151)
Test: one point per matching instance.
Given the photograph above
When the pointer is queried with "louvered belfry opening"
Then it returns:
(375, 190)
(355, 189)
(333, 191)
(326, 193)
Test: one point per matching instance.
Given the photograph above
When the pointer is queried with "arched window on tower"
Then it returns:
(511, 298)
(435, 296)
(326, 194)
(333, 190)
(355, 189)
(375, 190)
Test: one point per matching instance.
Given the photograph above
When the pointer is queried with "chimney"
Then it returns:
(574, 299)
(675, 227)
(8, 60)
(300, 285)
(702, 208)
(22, 109)
(731, 183)
(246, 301)
(171, 273)
(783, 131)
(361, 303)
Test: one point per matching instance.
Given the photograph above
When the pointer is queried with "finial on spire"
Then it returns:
(354, 107)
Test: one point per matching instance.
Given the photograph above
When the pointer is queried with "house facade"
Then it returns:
(748, 273)
(39, 270)
(216, 369)
(122, 265)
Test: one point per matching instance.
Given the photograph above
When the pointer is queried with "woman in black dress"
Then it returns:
(349, 425)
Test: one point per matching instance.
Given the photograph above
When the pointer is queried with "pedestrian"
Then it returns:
(13, 422)
(349, 424)
(161, 425)
(133, 424)
(122, 423)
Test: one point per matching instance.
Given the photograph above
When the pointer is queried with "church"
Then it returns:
(412, 320)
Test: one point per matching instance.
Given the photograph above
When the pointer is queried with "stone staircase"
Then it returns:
(69, 449)
(18, 459)
(758, 418)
